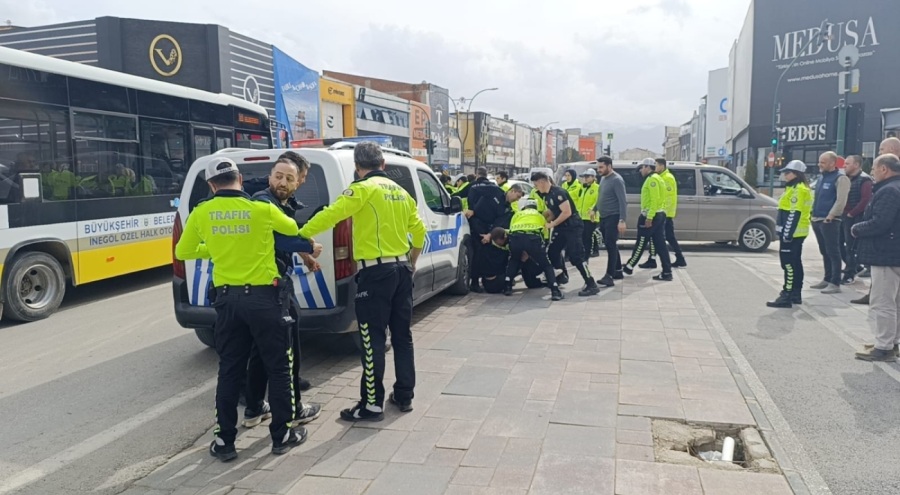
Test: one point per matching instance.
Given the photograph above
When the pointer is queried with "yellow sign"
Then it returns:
(165, 50)
(336, 92)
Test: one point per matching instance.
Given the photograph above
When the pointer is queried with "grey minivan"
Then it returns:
(714, 205)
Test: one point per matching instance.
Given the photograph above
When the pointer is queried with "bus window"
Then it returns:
(33, 139)
(203, 143)
(253, 140)
(165, 155)
(106, 154)
(223, 139)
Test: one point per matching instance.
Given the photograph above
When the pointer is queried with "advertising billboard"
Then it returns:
(523, 147)
(296, 98)
(587, 148)
(716, 114)
(439, 101)
(418, 130)
(810, 88)
(501, 142)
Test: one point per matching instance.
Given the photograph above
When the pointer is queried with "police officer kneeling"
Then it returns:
(526, 235)
(384, 216)
(236, 233)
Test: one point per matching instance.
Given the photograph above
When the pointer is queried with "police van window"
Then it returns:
(633, 180)
(403, 178)
(719, 184)
(431, 191)
(687, 182)
(312, 194)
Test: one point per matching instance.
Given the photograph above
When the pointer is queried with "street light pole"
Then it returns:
(775, 136)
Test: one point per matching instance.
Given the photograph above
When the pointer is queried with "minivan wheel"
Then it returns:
(461, 287)
(207, 336)
(755, 237)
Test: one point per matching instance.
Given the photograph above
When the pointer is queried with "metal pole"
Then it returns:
(842, 126)
(775, 100)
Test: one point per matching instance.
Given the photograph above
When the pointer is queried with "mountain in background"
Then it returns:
(627, 136)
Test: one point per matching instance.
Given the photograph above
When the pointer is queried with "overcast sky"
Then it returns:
(634, 61)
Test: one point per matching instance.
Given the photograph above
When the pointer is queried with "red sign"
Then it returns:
(587, 147)
(771, 159)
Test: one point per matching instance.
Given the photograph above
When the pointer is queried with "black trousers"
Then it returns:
(791, 255)
(531, 273)
(589, 237)
(246, 317)
(533, 244)
(569, 238)
(476, 249)
(828, 236)
(849, 247)
(609, 226)
(257, 379)
(655, 236)
(384, 298)
(494, 285)
(670, 238)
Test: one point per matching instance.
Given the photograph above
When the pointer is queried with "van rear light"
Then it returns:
(344, 266)
(177, 265)
(256, 159)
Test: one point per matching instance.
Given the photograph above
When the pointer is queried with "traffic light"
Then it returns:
(429, 146)
(607, 151)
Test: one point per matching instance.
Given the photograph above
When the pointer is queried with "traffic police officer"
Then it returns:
(567, 227)
(384, 217)
(794, 210)
(527, 234)
(652, 222)
(587, 200)
(236, 233)
(671, 192)
(502, 179)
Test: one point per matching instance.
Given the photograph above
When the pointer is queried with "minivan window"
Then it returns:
(719, 184)
(402, 176)
(431, 191)
(313, 193)
(633, 180)
(687, 182)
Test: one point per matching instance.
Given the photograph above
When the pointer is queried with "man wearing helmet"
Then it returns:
(527, 235)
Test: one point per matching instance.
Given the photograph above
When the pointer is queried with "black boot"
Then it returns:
(606, 281)
(591, 289)
(783, 301)
(507, 291)
(475, 287)
(649, 265)
(556, 294)
(663, 277)
(679, 263)
(796, 298)
(562, 278)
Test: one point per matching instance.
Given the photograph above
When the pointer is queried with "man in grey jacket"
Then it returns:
(830, 198)
(612, 208)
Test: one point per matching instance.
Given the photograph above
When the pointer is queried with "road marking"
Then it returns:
(59, 461)
(789, 441)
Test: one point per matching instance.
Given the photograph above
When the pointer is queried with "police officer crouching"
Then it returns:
(526, 235)
(236, 233)
(384, 217)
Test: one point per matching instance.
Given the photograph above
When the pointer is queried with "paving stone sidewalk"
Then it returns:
(515, 395)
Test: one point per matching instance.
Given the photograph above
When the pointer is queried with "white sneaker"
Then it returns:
(819, 286)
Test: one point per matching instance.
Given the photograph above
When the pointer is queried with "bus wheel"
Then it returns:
(35, 286)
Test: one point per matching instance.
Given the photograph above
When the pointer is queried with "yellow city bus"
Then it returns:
(91, 165)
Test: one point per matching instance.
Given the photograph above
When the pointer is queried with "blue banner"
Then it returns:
(296, 99)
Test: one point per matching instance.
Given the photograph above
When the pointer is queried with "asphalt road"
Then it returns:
(102, 392)
(843, 411)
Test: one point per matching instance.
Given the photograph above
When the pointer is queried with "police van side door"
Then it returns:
(442, 243)
(403, 175)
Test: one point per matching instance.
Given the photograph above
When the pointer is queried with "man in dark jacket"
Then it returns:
(487, 203)
(287, 175)
(879, 247)
(857, 200)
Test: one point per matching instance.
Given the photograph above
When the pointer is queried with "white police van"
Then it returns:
(326, 297)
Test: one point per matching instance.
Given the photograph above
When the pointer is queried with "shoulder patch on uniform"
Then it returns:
(794, 199)
(653, 184)
(560, 198)
(348, 192)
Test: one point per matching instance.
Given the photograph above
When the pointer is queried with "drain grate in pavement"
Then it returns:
(681, 443)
